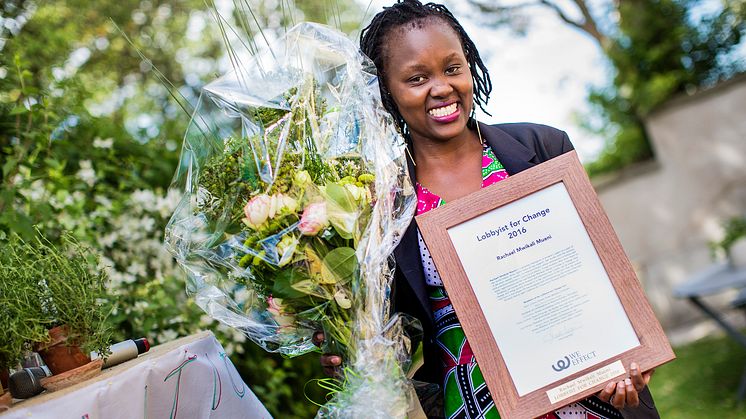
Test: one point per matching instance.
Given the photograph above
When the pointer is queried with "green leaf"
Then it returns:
(18, 110)
(311, 287)
(13, 95)
(284, 281)
(9, 166)
(340, 196)
(340, 264)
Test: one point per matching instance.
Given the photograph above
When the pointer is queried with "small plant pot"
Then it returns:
(6, 400)
(59, 354)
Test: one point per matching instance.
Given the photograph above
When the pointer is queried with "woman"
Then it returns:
(431, 78)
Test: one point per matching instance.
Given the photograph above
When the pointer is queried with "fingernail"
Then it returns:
(336, 360)
(628, 382)
(633, 366)
(610, 386)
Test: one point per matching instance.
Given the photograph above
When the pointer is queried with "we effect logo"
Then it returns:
(573, 359)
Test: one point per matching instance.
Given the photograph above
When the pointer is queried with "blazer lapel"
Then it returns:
(407, 257)
(513, 155)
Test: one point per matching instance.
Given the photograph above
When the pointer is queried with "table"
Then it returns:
(188, 378)
(714, 280)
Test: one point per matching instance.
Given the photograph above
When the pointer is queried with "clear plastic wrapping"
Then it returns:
(295, 195)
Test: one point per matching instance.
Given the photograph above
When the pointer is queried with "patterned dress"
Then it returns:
(465, 391)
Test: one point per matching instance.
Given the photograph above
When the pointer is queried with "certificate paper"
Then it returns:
(544, 292)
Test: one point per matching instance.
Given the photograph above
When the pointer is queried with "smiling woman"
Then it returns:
(431, 79)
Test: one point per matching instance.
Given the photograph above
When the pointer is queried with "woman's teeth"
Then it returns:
(444, 111)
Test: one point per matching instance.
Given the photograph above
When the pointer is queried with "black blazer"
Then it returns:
(518, 147)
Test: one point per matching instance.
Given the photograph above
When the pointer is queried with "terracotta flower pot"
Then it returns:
(59, 354)
(6, 400)
(4, 375)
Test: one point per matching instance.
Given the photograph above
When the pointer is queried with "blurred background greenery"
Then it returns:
(89, 140)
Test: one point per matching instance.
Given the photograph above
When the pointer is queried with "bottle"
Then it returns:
(123, 351)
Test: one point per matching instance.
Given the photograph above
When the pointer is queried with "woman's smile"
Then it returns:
(445, 112)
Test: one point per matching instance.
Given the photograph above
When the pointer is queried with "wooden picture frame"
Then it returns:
(653, 348)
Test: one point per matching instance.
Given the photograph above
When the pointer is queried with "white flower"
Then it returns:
(145, 198)
(99, 143)
(281, 204)
(314, 219)
(167, 336)
(257, 210)
(136, 268)
(286, 249)
(35, 192)
(147, 223)
(86, 173)
(103, 201)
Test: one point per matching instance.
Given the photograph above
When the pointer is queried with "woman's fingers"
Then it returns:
(608, 392)
(625, 393)
(647, 376)
(330, 364)
(329, 360)
(633, 399)
(318, 338)
(617, 400)
(637, 377)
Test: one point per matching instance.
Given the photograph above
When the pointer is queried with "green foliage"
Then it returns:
(44, 286)
(735, 229)
(659, 51)
(702, 382)
(22, 319)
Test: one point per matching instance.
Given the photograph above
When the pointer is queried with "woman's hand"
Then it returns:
(625, 393)
(329, 362)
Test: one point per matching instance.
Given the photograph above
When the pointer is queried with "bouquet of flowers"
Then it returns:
(295, 195)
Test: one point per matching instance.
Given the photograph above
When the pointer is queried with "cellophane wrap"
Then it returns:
(295, 193)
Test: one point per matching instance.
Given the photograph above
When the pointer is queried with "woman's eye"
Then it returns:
(417, 79)
(453, 69)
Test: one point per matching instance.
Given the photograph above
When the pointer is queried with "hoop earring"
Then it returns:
(404, 132)
(409, 153)
(473, 119)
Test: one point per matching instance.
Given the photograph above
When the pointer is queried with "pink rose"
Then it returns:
(275, 308)
(257, 210)
(314, 219)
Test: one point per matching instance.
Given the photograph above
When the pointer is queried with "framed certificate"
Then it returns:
(543, 289)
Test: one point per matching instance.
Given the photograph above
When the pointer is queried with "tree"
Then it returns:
(657, 48)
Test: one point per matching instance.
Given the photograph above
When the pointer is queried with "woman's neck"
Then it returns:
(445, 155)
(449, 169)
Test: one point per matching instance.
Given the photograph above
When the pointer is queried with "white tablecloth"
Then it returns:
(188, 378)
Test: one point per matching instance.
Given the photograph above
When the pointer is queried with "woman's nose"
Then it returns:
(441, 87)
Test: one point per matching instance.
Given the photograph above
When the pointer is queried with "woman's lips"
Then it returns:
(445, 114)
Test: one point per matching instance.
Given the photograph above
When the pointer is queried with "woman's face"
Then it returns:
(429, 79)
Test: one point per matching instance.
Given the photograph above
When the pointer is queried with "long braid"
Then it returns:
(410, 11)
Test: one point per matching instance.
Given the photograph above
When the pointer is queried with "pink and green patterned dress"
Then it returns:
(465, 391)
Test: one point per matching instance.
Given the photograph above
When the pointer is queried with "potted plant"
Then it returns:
(59, 289)
(22, 319)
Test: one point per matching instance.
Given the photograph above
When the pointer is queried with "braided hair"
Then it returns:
(409, 11)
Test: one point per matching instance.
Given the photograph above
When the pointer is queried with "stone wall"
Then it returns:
(665, 212)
